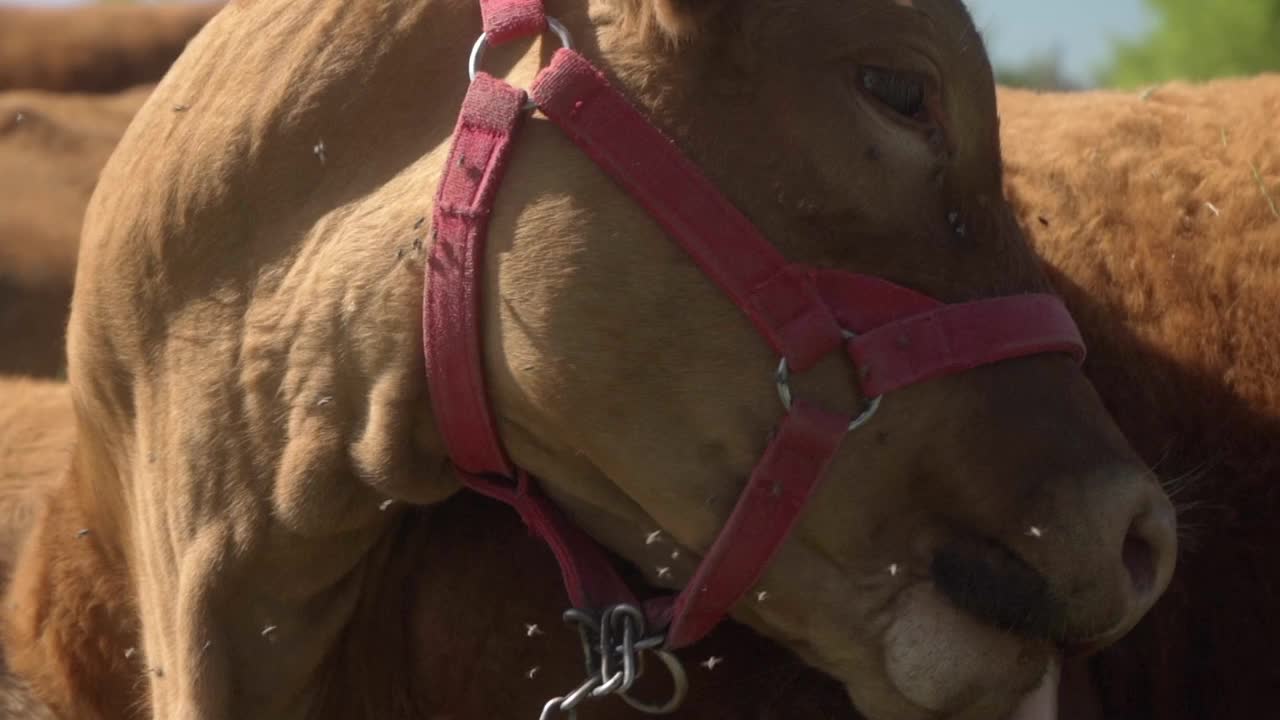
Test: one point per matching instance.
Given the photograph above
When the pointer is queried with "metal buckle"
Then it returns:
(613, 647)
(482, 42)
(782, 377)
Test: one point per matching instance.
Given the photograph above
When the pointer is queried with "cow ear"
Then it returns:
(683, 19)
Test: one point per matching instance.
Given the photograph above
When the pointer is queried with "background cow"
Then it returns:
(1157, 214)
(94, 48)
(52, 146)
(65, 98)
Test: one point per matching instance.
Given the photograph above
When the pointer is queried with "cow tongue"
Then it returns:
(1042, 703)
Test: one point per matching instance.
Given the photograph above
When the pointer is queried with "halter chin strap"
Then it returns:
(893, 336)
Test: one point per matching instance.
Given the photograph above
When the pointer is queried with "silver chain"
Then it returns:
(613, 647)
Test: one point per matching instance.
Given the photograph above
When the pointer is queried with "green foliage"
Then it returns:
(1199, 40)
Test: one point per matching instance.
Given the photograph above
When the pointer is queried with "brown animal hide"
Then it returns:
(51, 149)
(36, 430)
(1157, 214)
(96, 47)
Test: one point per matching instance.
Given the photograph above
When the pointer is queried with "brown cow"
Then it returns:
(1177, 407)
(95, 47)
(1159, 215)
(51, 149)
(244, 358)
(52, 146)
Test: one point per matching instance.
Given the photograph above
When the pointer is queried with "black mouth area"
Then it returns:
(986, 580)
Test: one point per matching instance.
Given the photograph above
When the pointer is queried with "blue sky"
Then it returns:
(1018, 29)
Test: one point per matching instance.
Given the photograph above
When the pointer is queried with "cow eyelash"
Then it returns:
(905, 93)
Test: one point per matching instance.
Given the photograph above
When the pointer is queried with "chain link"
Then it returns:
(613, 646)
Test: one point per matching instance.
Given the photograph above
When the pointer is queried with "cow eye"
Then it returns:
(902, 92)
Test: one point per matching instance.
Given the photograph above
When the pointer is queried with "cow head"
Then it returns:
(982, 524)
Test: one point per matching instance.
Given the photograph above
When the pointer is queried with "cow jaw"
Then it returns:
(900, 647)
(904, 651)
(938, 657)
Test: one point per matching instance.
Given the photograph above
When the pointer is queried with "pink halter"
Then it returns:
(893, 337)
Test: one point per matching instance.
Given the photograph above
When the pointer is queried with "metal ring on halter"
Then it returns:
(482, 42)
(783, 379)
(678, 677)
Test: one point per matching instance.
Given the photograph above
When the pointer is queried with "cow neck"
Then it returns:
(892, 336)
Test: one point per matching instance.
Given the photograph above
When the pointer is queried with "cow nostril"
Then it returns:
(1139, 560)
(1149, 551)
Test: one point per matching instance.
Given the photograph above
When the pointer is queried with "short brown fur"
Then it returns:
(94, 48)
(1155, 213)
